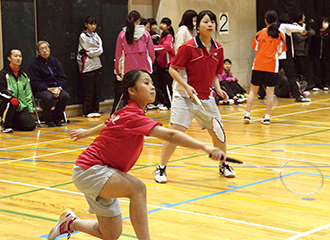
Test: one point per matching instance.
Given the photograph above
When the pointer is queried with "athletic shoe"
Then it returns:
(93, 115)
(303, 99)
(306, 93)
(160, 175)
(7, 130)
(62, 225)
(265, 121)
(325, 89)
(246, 119)
(163, 108)
(151, 106)
(227, 170)
(317, 89)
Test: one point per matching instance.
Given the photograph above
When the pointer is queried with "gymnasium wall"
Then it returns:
(242, 26)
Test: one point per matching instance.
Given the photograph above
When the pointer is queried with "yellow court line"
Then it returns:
(41, 168)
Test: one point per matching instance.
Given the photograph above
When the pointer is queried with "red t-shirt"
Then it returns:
(201, 66)
(120, 143)
(266, 58)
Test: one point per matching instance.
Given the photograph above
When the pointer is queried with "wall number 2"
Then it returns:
(224, 23)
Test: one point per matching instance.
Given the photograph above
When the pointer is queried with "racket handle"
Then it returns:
(232, 160)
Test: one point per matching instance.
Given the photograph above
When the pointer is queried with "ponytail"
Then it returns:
(273, 30)
(133, 16)
(171, 31)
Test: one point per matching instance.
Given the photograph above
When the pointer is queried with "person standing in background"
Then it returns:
(301, 43)
(89, 63)
(165, 54)
(134, 50)
(269, 43)
(186, 29)
(320, 55)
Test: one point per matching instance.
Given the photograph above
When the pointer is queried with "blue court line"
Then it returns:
(212, 195)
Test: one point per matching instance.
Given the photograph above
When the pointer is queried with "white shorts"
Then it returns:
(184, 110)
(90, 182)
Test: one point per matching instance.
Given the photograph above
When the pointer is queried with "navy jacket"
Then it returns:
(45, 73)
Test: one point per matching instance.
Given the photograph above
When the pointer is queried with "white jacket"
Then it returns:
(89, 50)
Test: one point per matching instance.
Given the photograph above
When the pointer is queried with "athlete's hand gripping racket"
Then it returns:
(216, 125)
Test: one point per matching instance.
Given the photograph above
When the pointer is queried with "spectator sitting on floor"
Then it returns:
(283, 90)
(230, 85)
(47, 81)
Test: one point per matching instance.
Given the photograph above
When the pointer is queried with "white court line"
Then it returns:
(309, 232)
(165, 208)
(45, 155)
(307, 111)
(31, 144)
(289, 105)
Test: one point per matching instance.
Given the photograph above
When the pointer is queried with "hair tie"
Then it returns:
(132, 18)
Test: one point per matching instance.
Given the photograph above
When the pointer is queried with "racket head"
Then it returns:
(301, 177)
(218, 130)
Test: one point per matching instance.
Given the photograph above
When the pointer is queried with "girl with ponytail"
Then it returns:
(101, 172)
(134, 50)
(269, 43)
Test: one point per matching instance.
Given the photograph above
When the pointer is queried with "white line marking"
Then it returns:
(45, 155)
(164, 208)
(309, 232)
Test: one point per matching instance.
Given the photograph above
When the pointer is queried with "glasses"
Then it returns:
(44, 49)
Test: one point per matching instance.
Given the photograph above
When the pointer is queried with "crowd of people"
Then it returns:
(165, 71)
(291, 47)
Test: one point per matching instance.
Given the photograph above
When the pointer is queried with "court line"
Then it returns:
(45, 155)
(309, 232)
(170, 207)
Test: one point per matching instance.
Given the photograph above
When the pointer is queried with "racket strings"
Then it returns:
(301, 177)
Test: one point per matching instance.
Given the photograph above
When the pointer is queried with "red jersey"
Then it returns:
(268, 50)
(201, 66)
(120, 143)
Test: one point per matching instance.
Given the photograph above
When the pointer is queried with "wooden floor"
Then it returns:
(197, 203)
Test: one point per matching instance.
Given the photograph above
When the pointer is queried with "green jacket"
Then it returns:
(19, 87)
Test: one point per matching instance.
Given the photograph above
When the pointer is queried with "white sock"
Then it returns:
(267, 116)
(162, 166)
(248, 114)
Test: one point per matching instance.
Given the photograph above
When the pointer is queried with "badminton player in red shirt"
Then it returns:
(195, 70)
(100, 172)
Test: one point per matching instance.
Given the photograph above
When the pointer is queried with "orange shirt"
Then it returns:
(268, 49)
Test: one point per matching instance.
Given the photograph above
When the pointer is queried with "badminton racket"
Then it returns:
(216, 124)
(297, 175)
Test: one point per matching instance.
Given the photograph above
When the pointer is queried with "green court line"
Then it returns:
(29, 215)
(36, 190)
(280, 139)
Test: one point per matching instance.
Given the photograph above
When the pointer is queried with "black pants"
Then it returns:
(92, 91)
(304, 67)
(290, 72)
(22, 121)
(48, 101)
(117, 85)
(165, 85)
(321, 72)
